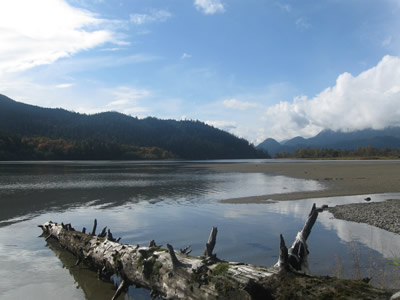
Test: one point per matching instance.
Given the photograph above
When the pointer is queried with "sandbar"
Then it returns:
(340, 178)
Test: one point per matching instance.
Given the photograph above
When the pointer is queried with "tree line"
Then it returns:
(326, 153)
(44, 133)
(42, 148)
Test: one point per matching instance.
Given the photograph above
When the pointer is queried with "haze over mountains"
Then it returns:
(380, 139)
(32, 132)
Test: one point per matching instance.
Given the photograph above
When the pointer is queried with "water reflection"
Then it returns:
(29, 270)
(86, 279)
(168, 202)
(384, 242)
(37, 188)
(335, 242)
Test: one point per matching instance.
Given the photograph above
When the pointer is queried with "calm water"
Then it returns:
(171, 203)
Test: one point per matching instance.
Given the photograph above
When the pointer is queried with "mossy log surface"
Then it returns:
(172, 274)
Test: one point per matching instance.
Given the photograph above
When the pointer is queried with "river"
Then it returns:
(170, 202)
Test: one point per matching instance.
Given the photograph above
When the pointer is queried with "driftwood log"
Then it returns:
(172, 274)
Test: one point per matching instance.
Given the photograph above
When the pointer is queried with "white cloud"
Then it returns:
(113, 49)
(133, 59)
(126, 95)
(236, 104)
(186, 56)
(64, 85)
(209, 7)
(369, 100)
(127, 100)
(40, 32)
(124, 99)
(386, 42)
(302, 24)
(116, 103)
(284, 6)
(224, 125)
(152, 17)
(137, 110)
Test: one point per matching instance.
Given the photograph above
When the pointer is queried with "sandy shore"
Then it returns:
(340, 178)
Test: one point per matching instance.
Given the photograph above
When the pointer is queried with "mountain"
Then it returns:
(273, 147)
(379, 139)
(114, 135)
(298, 140)
(385, 138)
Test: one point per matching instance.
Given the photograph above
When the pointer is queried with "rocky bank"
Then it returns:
(385, 215)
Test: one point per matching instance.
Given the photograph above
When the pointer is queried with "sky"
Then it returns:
(256, 68)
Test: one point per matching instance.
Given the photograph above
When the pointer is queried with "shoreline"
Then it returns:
(383, 215)
(340, 178)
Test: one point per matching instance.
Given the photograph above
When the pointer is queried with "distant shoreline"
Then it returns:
(340, 178)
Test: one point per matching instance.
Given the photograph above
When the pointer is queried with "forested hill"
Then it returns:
(32, 132)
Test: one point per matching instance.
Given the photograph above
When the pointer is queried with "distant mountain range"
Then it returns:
(380, 139)
(32, 132)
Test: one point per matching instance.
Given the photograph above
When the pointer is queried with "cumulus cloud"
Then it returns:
(42, 31)
(209, 7)
(236, 104)
(369, 100)
(152, 17)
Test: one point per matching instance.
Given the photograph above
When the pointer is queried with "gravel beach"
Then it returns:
(385, 215)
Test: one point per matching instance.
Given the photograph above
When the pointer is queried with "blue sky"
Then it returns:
(256, 68)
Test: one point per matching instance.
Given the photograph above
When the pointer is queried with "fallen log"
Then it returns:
(176, 275)
(87, 280)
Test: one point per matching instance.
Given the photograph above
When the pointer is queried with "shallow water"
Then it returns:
(170, 203)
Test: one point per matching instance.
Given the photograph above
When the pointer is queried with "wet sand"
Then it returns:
(340, 178)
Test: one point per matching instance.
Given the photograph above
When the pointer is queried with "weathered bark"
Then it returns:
(298, 252)
(212, 240)
(175, 275)
(169, 274)
(94, 227)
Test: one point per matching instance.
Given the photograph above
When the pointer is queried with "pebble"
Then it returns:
(385, 215)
